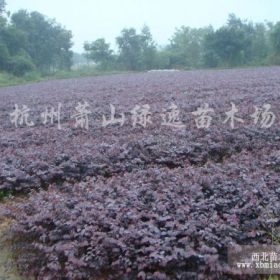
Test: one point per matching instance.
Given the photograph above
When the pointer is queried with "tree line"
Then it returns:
(29, 41)
(237, 43)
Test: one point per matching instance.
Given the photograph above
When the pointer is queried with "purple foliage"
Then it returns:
(142, 203)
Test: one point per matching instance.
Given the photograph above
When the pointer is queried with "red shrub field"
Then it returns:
(149, 196)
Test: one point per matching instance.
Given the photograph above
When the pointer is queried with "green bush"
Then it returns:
(33, 76)
(20, 65)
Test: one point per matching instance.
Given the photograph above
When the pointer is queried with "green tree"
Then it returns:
(148, 49)
(14, 39)
(186, 47)
(2, 6)
(62, 49)
(130, 49)
(230, 45)
(260, 44)
(48, 44)
(275, 41)
(99, 51)
(137, 51)
(21, 64)
(163, 59)
(13, 57)
(210, 55)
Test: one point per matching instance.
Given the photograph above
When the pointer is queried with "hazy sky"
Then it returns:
(92, 19)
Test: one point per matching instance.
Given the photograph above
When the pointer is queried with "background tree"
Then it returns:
(186, 47)
(228, 43)
(260, 44)
(210, 54)
(275, 42)
(129, 44)
(48, 44)
(235, 44)
(2, 6)
(148, 49)
(136, 51)
(99, 51)
(13, 57)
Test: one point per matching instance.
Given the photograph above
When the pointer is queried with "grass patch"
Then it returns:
(5, 194)
(34, 77)
(10, 80)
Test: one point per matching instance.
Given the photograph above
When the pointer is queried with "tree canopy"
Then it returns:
(31, 41)
(99, 51)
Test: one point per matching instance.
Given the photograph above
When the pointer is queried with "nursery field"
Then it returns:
(140, 176)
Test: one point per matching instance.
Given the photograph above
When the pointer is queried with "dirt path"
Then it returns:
(6, 271)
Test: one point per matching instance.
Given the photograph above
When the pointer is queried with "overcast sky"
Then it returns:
(92, 19)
